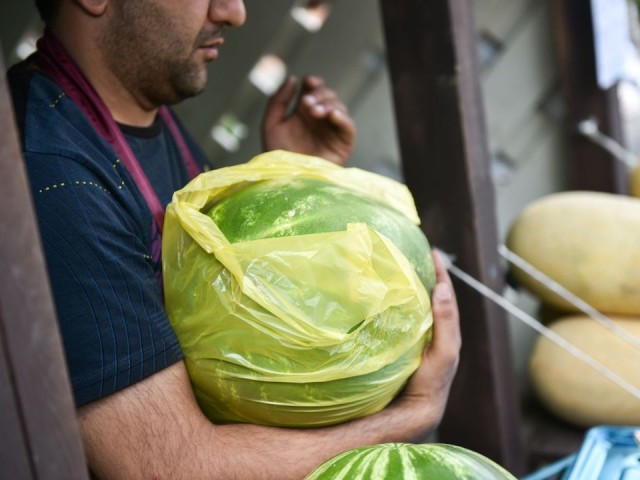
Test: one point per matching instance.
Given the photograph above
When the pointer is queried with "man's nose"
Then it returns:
(229, 12)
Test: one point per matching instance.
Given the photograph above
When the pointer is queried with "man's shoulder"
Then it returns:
(48, 121)
(60, 147)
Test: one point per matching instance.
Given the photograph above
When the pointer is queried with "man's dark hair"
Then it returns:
(48, 9)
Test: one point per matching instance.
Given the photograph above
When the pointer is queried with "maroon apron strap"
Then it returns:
(193, 169)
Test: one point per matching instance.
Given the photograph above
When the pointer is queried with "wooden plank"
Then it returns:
(441, 129)
(33, 357)
(590, 167)
(14, 454)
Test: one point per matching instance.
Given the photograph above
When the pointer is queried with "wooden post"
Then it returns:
(443, 142)
(40, 436)
(590, 167)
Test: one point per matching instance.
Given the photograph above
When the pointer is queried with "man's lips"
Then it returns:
(210, 48)
(213, 43)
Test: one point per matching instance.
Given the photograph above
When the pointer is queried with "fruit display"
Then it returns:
(588, 243)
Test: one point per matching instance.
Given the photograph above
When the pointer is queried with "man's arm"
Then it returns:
(155, 429)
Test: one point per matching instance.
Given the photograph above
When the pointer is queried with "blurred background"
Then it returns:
(343, 41)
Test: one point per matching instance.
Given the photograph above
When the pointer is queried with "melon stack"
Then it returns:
(634, 181)
(588, 242)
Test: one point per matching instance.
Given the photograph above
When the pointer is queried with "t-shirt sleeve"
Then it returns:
(97, 237)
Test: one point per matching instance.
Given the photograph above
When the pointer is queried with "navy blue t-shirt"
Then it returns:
(99, 237)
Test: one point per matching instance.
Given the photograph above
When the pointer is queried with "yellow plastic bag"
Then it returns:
(303, 331)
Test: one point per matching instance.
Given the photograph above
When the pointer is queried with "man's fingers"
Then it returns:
(446, 334)
(319, 99)
(324, 104)
(447, 340)
(442, 275)
(311, 82)
(321, 102)
(323, 96)
(343, 122)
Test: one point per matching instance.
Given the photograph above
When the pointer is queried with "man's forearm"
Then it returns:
(155, 430)
(279, 453)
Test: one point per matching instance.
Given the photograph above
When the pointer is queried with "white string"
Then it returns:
(539, 327)
(576, 301)
(589, 128)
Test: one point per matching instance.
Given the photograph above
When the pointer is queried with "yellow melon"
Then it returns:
(573, 390)
(588, 242)
(634, 181)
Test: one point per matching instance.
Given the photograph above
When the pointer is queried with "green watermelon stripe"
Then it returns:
(403, 461)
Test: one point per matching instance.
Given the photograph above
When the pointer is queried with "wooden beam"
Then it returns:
(14, 454)
(589, 166)
(443, 142)
(40, 436)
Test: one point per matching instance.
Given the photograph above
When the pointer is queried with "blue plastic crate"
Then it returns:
(607, 453)
(553, 471)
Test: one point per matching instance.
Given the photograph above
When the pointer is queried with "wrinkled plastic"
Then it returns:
(304, 331)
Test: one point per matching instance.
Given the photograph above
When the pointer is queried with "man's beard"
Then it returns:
(150, 57)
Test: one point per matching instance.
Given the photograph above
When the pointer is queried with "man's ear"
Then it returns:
(95, 8)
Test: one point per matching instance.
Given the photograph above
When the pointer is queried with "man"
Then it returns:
(104, 156)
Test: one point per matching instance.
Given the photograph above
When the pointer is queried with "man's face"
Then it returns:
(159, 49)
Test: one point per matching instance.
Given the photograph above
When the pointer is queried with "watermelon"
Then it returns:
(300, 206)
(403, 461)
(298, 290)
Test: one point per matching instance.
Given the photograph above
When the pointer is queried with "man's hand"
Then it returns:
(318, 123)
(431, 383)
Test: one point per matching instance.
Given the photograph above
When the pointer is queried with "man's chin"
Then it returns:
(191, 88)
